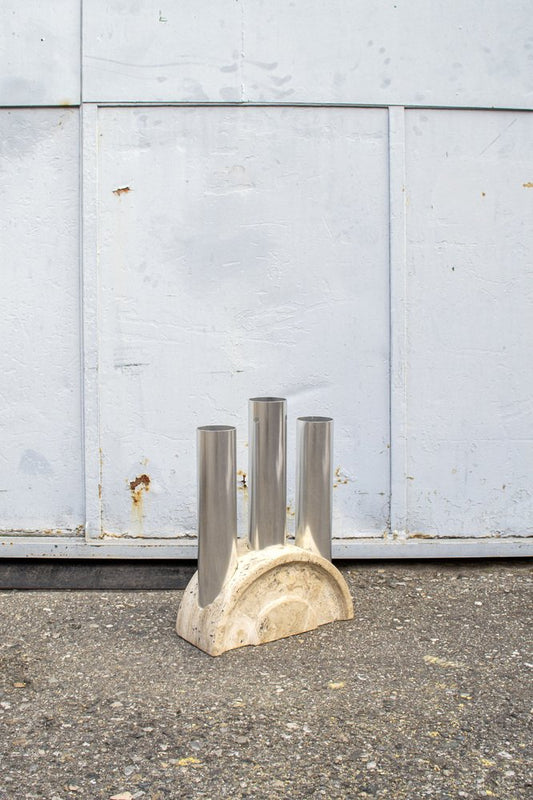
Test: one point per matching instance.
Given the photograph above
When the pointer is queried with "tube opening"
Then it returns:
(267, 399)
(315, 419)
(214, 428)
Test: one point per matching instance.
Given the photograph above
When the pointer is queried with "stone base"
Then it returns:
(273, 593)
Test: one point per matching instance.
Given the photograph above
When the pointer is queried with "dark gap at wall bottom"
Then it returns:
(154, 574)
(42, 573)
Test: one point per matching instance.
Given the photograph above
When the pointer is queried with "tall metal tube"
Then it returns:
(267, 471)
(314, 484)
(217, 509)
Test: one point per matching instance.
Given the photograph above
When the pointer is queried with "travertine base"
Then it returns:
(275, 592)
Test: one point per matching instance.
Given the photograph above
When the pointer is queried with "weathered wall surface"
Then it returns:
(250, 270)
(469, 322)
(205, 202)
(41, 460)
(307, 51)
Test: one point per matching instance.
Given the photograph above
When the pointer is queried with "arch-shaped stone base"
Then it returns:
(273, 593)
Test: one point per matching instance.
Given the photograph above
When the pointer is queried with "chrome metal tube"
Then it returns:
(217, 509)
(314, 484)
(267, 471)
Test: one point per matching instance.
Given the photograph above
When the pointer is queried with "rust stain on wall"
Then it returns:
(528, 185)
(138, 486)
(340, 478)
(121, 190)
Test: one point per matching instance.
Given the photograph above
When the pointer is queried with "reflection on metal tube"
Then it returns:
(217, 509)
(268, 471)
(314, 479)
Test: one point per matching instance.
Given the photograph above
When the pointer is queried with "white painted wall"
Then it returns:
(41, 475)
(39, 53)
(328, 201)
(470, 323)
(249, 256)
(370, 52)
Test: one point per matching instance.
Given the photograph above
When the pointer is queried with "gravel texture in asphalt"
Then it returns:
(426, 693)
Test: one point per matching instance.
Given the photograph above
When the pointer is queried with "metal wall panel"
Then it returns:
(40, 53)
(188, 50)
(241, 252)
(40, 414)
(391, 53)
(232, 251)
(469, 320)
(420, 53)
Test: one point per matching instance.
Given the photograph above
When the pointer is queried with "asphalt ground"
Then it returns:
(426, 693)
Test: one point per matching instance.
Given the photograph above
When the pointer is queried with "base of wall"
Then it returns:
(364, 548)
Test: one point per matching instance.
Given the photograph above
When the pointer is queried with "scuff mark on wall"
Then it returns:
(131, 366)
(34, 463)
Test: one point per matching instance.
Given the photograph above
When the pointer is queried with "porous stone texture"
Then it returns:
(273, 593)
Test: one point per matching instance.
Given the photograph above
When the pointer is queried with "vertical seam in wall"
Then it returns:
(243, 92)
(80, 264)
(81, 53)
(92, 460)
(89, 264)
(398, 321)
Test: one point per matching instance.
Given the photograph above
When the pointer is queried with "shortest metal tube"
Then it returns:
(314, 484)
(217, 509)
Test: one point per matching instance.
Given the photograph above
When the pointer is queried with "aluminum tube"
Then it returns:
(267, 471)
(314, 484)
(217, 509)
